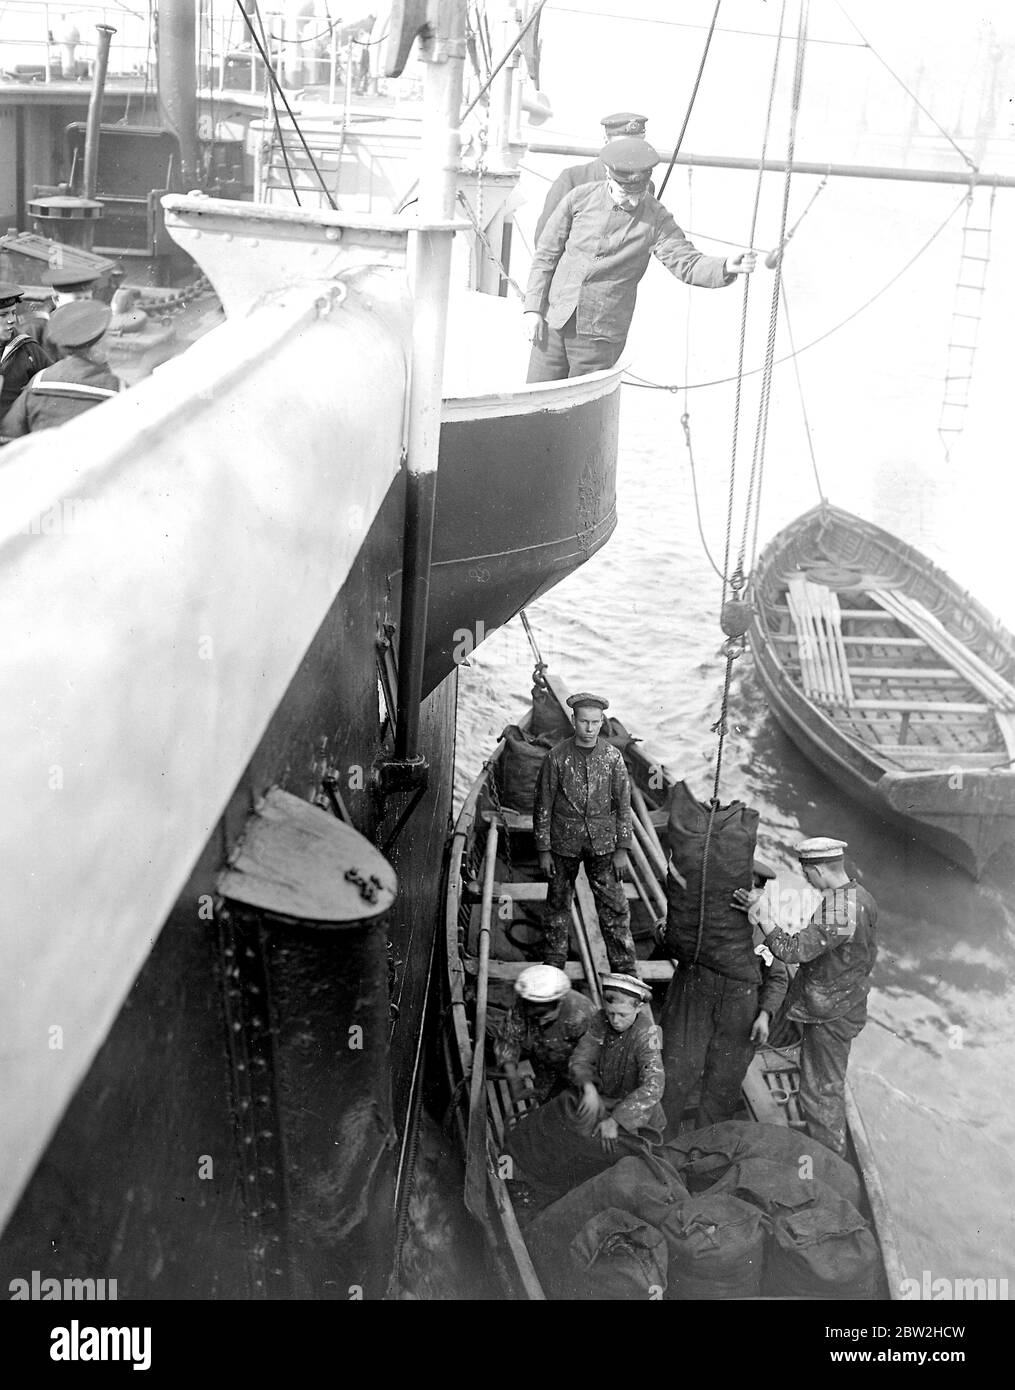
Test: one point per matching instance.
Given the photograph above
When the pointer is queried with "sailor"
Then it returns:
(80, 380)
(836, 952)
(618, 126)
(594, 250)
(543, 1027)
(582, 815)
(613, 1108)
(718, 1008)
(69, 284)
(20, 355)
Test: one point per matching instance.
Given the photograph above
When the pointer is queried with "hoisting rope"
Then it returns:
(803, 404)
(690, 104)
(735, 615)
(631, 379)
(761, 434)
(743, 309)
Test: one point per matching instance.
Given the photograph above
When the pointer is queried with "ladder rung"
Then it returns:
(980, 289)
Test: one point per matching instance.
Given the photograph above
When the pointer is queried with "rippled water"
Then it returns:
(932, 1070)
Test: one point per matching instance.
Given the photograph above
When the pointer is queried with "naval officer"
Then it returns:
(79, 381)
(827, 998)
(584, 278)
(618, 126)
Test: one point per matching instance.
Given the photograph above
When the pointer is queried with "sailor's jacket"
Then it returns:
(58, 393)
(836, 952)
(582, 800)
(592, 255)
(624, 1067)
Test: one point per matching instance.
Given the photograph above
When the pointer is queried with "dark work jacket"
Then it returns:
(836, 952)
(23, 359)
(77, 385)
(626, 1067)
(592, 255)
(582, 800)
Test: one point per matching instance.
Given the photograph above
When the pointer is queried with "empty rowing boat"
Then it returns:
(892, 679)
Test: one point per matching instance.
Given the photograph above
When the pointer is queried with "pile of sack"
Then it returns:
(737, 1210)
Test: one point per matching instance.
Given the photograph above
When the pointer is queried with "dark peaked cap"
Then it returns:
(625, 123)
(9, 294)
(629, 156)
(78, 325)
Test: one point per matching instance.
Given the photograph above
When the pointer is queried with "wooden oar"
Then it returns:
(658, 854)
(637, 856)
(475, 1143)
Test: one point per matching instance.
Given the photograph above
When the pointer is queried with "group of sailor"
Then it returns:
(614, 1079)
(600, 224)
(51, 363)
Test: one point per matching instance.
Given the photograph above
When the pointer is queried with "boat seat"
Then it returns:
(651, 971)
(924, 706)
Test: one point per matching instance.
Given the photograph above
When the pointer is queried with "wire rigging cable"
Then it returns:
(631, 379)
(276, 86)
(690, 104)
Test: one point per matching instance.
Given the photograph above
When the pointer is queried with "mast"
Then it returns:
(177, 72)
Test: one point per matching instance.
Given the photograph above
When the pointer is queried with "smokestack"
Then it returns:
(178, 81)
(105, 35)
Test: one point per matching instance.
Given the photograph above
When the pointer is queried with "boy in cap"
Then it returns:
(543, 1026)
(827, 998)
(582, 815)
(80, 380)
(20, 355)
(594, 250)
(614, 1109)
(618, 126)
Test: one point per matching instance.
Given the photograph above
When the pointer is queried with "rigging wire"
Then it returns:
(270, 89)
(690, 104)
(276, 85)
(517, 41)
(912, 95)
(631, 379)
(761, 432)
(803, 403)
(743, 310)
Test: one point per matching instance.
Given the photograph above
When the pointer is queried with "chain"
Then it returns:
(484, 239)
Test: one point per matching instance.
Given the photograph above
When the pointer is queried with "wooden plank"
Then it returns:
(923, 673)
(851, 639)
(924, 706)
(651, 971)
(884, 1225)
(475, 1149)
(526, 892)
(590, 919)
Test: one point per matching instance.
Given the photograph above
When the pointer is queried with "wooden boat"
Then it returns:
(892, 679)
(493, 891)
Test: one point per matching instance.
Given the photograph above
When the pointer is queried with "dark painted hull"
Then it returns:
(300, 1127)
(966, 814)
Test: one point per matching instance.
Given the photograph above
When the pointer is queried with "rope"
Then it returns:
(690, 104)
(485, 240)
(912, 95)
(803, 403)
(743, 313)
(632, 379)
(489, 81)
(277, 86)
(761, 433)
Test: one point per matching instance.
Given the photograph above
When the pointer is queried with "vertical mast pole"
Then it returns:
(444, 54)
(177, 54)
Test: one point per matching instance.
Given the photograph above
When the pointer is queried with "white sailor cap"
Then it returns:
(625, 984)
(820, 849)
